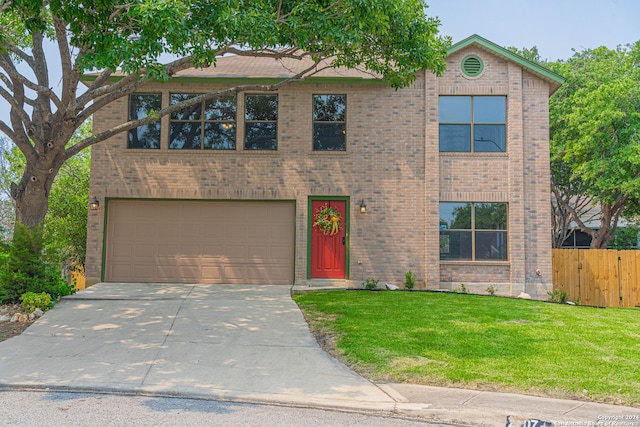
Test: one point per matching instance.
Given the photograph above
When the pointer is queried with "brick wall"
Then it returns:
(383, 165)
(392, 162)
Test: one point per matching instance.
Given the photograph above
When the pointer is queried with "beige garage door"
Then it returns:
(200, 242)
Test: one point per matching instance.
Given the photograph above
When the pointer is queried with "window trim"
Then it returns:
(327, 122)
(473, 230)
(472, 123)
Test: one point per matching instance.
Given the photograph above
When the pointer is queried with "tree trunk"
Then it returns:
(32, 193)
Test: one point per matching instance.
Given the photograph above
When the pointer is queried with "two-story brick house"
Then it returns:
(448, 178)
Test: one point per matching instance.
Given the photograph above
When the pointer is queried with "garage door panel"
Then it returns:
(189, 251)
(190, 231)
(258, 253)
(279, 253)
(211, 274)
(120, 270)
(235, 231)
(125, 230)
(235, 253)
(200, 242)
(143, 272)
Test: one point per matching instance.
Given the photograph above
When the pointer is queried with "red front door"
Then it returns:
(328, 248)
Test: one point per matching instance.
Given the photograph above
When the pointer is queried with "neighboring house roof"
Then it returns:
(554, 80)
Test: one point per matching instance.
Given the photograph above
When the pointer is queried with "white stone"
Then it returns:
(19, 317)
(4, 318)
(524, 295)
(391, 287)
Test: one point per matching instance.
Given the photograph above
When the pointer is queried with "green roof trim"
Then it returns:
(556, 80)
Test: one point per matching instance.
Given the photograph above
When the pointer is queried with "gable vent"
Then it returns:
(472, 66)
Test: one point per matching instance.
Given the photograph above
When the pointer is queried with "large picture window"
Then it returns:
(140, 105)
(329, 122)
(473, 123)
(209, 125)
(473, 231)
(261, 122)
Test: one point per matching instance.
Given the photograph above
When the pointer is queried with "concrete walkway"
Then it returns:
(237, 343)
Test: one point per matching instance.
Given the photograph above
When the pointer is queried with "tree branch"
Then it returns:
(81, 145)
(7, 65)
(70, 74)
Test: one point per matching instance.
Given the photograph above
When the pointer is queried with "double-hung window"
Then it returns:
(140, 106)
(209, 125)
(473, 231)
(473, 123)
(329, 122)
(261, 122)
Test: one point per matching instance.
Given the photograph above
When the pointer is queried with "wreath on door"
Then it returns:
(327, 220)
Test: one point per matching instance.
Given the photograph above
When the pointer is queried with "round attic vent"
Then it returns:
(472, 66)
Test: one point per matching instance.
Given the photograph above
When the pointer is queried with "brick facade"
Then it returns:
(392, 162)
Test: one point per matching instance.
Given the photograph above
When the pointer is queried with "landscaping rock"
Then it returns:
(391, 287)
(4, 318)
(37, 313)
(19, 317)
(524, 295)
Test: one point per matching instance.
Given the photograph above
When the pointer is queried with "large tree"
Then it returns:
(129, 38)
(595, 139)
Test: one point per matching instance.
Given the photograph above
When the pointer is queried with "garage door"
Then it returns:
(200, 242)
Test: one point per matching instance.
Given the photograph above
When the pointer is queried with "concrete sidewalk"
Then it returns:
(236, 343)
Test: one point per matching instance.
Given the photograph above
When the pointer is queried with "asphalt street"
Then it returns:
(42, 408)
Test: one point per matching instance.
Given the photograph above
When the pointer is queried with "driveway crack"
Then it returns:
(164, 341)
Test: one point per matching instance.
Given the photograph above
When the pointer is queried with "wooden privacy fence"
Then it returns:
(598, 277)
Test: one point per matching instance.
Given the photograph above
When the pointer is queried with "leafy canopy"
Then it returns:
(595, 134)
(393, 38)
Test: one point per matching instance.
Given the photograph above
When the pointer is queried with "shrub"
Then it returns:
(558, 295)
(24, 270)
(492, 289)
(370, 283)
(409, 280)
(461, 290)
(32, 300)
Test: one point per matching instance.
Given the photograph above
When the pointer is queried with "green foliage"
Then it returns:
(523, 346)
(558, 295)
(24, 269)
(32, 300)
(594, 122)
(409, 280)
(625, 238)
(65, 231)
(392, 38)
(370, 283)
(461, 290)
(492, 289)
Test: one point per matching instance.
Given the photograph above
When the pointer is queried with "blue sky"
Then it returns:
(554, 26)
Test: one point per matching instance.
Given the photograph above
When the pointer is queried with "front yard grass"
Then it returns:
(482, 342)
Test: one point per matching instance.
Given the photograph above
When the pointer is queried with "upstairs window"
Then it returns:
(329, 122)
(473, 231)
(473, 123)
(261, 122)
(209, 125)
(140, 106)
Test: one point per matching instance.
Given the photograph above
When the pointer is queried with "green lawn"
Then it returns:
(482, 342)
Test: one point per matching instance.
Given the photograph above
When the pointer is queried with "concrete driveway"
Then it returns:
(229, 342)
